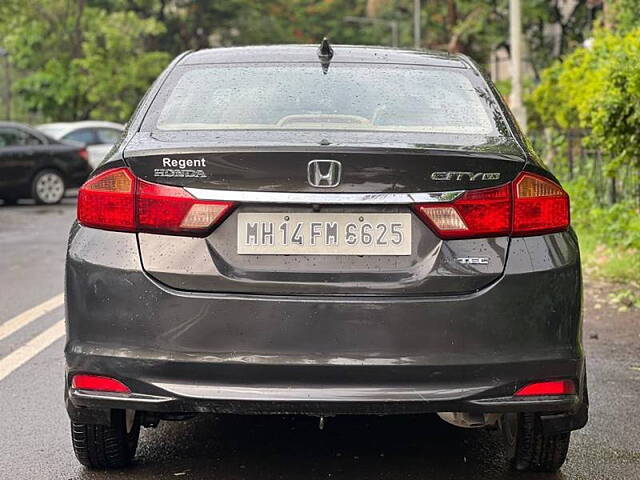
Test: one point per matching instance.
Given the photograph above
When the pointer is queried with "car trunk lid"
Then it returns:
(269, 181)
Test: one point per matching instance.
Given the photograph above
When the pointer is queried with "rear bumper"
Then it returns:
(183, 352)
(330, 402)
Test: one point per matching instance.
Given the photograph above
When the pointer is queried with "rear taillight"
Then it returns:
(108, 201)
(84, 154)
(539, 206)
(478, 213)
(117, 200)
(531, 205)
(161, 208)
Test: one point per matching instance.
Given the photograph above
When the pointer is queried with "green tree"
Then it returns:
(115, 69)
(76, 62)
(623, 15)
(304, 21)
(598, 89)
(477, 28)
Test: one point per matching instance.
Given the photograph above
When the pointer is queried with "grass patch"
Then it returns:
(617, 264)
(609, 242)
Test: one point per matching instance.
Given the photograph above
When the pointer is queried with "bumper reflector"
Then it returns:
(98, 383)
(556, 387)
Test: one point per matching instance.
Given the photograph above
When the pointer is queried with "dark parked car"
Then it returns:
(97, 136)
(347, 230)
(33, 165)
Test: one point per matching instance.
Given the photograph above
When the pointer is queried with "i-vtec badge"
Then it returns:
(473, 260)
(181, 168)
(470, 176)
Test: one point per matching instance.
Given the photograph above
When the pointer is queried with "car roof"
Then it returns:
(309, 53)
(16, 125)
(64, 128)
(22, 126)
(27, 128)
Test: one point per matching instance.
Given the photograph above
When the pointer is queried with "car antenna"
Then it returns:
(325, 54)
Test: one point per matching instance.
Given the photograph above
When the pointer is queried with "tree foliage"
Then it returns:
(477, 28)
(115, 69)
(76, 59)
(597, 89)
(623, 15)
(76, 62)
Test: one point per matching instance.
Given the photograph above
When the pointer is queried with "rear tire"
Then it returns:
(106, 447)
(529, 448)
(47, 187)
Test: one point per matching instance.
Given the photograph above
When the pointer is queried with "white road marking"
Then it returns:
(26, 352)
(19, 321)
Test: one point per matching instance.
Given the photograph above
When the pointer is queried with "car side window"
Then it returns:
(108, 135)
(84, 135)
(13, 137)
(8, 137)
(29, 139)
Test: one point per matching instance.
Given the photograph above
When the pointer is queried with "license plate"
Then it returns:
(324, 233)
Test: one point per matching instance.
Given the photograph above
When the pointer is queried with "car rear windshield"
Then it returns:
(301, 96)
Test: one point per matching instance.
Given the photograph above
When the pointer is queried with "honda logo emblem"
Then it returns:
(324, 173)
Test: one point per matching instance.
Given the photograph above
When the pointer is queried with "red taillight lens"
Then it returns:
(84, 154)
(539, 206)
(174, 210)
(478, 213)
(107, 201)
(531, 205)
(556, 387)
(99, 383)
(117, 200)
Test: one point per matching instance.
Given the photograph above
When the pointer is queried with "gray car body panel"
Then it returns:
(212, 264)
(420, 354)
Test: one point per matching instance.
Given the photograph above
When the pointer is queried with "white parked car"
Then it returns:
(98, 137)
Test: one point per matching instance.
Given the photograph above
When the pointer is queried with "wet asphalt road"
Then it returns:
(34, 437)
